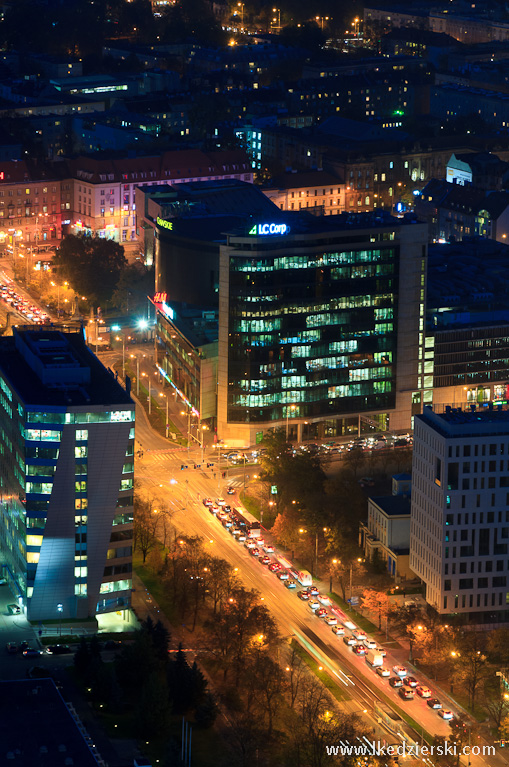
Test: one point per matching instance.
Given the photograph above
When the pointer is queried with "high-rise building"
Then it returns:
(459, 531)
(66, 477)
(321, 320)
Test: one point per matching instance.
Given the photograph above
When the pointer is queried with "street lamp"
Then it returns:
(333, 562)
(167, 422)
(60, 609)
(359, 560)
(241, 6)
(288, 408)
(183, 412)
(118, 338)
(278, 18)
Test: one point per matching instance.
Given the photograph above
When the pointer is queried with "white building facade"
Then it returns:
(459, 532)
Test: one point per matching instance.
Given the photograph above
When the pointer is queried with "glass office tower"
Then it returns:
(319, 322)
(66, 477)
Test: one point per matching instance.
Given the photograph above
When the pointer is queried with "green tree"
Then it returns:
(91, 265)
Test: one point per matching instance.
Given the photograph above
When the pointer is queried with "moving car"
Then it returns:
(58, 649)
(359, 649)
(313, 604)
(283, 575)
(321, 612)
(268, 549)
(383, 671)
(265, 560)
(423, 692)
(254, 552)
(324, 599)
(31, 652)
(410, 681)
(445, 714)
(358, 634)
(400, 670)
(369, 643)
(274, 567)
(349, 640)
(314, 591)
(331, 620)
(304, 595)
(290, 584)
(230, 490)
(12, 648)
(396, 681)
(434, 703)
(338, 630)
(406, 692)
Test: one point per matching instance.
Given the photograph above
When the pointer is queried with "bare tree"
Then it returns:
(145, 527)
(295, 673)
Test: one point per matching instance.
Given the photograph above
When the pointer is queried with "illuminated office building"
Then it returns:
(66, 477)
(321, 322)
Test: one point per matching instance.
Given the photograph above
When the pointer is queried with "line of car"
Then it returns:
(23, 305)
(356, 639)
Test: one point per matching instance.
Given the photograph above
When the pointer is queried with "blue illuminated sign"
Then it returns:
(263, 229)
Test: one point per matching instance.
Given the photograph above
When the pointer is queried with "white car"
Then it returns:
(382, 671)
(268, 548)
(369, 643)
(220, 501)
(445, 714)
(400, 670)
(242, 537)
(358, 634)
(324, 600)
(313, 604)
(250, 544)
(331, 620)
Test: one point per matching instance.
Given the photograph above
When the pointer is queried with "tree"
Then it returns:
(159, 635)
(406, 618)
(145, 525)
(295, 673)
(135, 283)
(498, 646)
(91, 265)
(206, 713)
(355, 460)
(153, 709)
(377, 602)
(470, 666)
(495, 701)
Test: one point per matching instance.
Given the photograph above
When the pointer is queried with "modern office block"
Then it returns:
(320, 319)
(66, 477)
(459, 532)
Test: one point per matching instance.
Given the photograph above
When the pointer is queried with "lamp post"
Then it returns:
(118, 338)
(333, 562)
(60, 609)
(241, 6)
(288, 408)
(183, 412)
(167, 422)
(276, 19)
(359, 560)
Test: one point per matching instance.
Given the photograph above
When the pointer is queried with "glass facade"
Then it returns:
(312, 334)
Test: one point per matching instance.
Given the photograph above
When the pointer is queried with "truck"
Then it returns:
(374, 658)
(304, 578)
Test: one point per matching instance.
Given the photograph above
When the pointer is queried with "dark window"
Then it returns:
(484, 542)
(452, 476)
(488, 567)
(464, 535)
(499, 581)
(466, 583)
(491, 516)
(466, 451)
(447, 585)
(482, 583)
(463, 568)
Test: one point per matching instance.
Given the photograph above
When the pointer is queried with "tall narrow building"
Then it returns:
(66, 477)
(459, 529)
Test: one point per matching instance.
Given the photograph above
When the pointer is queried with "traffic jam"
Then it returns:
(321, 605)
(22, 305)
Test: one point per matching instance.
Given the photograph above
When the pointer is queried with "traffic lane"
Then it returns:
(288, 608)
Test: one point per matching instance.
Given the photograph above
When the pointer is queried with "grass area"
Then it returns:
(362, 622)
(338, 692)
(154, 586)
(252, 504)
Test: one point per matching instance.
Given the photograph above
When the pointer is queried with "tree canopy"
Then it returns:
(91, 265)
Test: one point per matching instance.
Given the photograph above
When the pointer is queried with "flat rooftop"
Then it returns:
(393, 505)
(490, 420)
(37, 728)
(46, 366)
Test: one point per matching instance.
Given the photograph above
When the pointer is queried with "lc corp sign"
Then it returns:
(264, 229)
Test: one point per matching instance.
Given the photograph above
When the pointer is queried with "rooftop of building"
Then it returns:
(471, 275)
(46, 366)
(421, 36)
(197, 324)
(52, 738)
(393, 505)
(484, 420)
(303, 179)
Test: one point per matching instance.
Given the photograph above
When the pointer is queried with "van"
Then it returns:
(406, 692)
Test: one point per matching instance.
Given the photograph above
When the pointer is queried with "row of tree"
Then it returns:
(277, 711)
